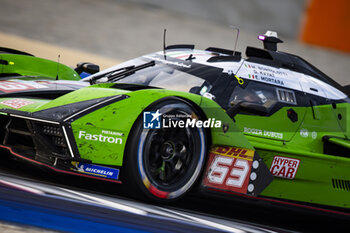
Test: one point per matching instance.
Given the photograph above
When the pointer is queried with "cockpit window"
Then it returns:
(255, 92)
(176, 80)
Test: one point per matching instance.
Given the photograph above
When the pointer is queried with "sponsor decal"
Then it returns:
(157, 120)
(12, 86)
(97, 170)
(112, 133)
(100, 137)
(304, 133)
(263, 133)
(229, 168)
(284, 167)
(234, 152)
(314, 135)
(16, 103)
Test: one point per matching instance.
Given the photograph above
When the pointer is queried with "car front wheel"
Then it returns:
(163, 164)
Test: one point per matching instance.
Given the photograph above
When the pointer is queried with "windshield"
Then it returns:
(164, 77)
(160, 75)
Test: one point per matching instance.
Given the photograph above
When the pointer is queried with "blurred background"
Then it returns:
(110, 31)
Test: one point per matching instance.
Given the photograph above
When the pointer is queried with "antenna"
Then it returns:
(235, 29)
(58, 65)
(164, 46)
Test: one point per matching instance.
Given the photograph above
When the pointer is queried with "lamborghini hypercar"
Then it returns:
(268, 125)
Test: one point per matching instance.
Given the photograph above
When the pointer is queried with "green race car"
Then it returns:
(22, 65)
(270, 125)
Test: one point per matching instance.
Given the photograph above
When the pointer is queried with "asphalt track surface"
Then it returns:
(194, 213)
(55, 203)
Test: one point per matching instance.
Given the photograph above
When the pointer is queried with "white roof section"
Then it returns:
(263, 73)
(247, 70)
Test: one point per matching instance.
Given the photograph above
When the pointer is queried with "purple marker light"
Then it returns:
(261, 37)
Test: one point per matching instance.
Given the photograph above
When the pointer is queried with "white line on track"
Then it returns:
(208, 223)
(21, 187)
(108, 203)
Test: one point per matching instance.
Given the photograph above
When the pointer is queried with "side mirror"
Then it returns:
(256, 109)
(87, 68)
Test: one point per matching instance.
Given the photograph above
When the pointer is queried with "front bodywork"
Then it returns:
(86, 131)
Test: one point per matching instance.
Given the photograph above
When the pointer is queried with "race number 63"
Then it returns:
(221, 170)
(228, 173)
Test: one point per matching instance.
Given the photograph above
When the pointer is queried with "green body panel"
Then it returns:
(87, 93)
(320, 177)
(344, 110)
(340, 142)
(267, 127)
(34, 66)
(233, 136)
(314, 179)
(118, 118)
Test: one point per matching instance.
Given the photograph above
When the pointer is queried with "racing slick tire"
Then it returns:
(163, 164)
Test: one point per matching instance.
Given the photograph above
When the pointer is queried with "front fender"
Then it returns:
(102, 134)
